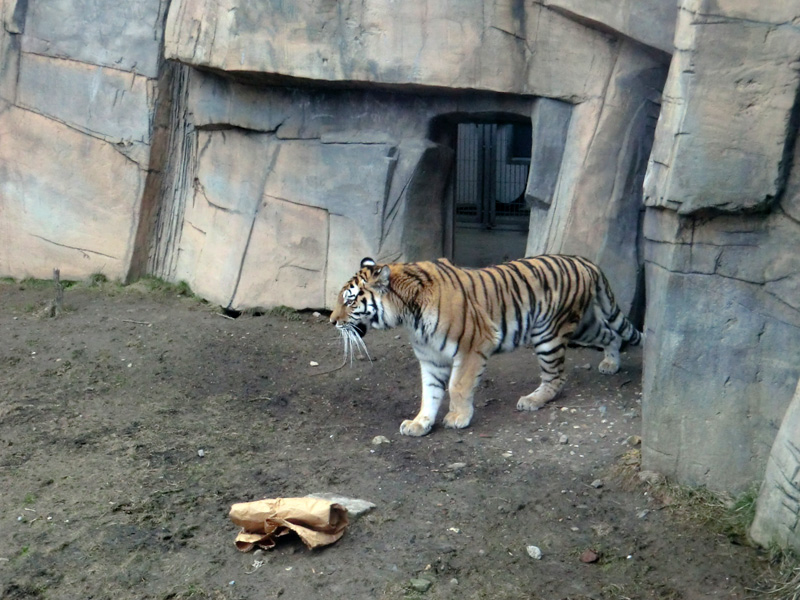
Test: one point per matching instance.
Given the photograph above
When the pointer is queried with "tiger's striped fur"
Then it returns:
(459, 317)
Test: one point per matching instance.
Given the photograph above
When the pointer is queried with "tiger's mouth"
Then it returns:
(361, 329)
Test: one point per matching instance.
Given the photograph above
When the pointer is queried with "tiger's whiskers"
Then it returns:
(352, 343)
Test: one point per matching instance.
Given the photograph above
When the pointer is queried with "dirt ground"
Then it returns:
(131, 423)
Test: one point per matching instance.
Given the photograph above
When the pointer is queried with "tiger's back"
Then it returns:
(458, 317)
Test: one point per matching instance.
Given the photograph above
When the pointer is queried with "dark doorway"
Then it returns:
(490, 213)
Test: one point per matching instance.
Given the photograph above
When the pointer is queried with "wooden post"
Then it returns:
(58, 301)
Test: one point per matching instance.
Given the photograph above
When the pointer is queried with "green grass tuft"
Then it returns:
(285, 312)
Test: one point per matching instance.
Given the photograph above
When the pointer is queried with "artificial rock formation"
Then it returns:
(77, 97)
(777, 520)
(722, 243)
(277, 144)
(381, 158)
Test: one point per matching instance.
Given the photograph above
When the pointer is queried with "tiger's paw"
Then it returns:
(455, 420)
(414, 428)
(536, 400)
(608, 366)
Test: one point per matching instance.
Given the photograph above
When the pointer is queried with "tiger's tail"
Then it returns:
(614, 316)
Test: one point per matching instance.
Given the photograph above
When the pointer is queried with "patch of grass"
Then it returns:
(96, 279)
(717, 511)
(155, 284)
(285, 312)
(29, 499)
(38, 284)
(31, 283)
(782, 579)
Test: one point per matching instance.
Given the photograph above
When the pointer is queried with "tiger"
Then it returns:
(458, 317)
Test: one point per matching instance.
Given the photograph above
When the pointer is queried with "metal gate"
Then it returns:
(492, 163)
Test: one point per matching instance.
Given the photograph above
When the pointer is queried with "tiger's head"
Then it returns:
(359, 306)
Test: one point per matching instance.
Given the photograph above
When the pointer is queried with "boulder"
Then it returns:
(469, 45)
(728, 109)
(723, 281)
(597, 203)
(123, 36)
(55, 215)
(649, 22)
(549, 127)
(106, 103)
(777, 520)
(80, 81)
(723, 336)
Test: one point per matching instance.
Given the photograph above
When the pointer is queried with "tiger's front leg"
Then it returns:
(467, 372)
(434, 381)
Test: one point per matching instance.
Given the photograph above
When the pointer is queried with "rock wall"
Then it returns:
(722, 239)
(291, 187)
(268, 118)
(77, 97)
(524, 51)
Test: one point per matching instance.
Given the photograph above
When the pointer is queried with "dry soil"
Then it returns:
(132, 422)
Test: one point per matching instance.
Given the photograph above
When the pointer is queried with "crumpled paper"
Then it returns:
(318, 522)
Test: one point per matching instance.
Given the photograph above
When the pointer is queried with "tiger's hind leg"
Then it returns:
(610, 363)
(550, 355)
(594, 331)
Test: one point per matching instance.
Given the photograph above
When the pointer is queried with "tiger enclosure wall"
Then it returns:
(258, 151)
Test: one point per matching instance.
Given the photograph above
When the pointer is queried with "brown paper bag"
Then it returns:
(317, 522)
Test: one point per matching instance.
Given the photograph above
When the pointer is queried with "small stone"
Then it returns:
(201, 453)
(597, 484)
(456, 466)
(313, 363)
(316, 315)
(421, 585)
(642, 513)
(354, 506)
(651, 477)
(634, 440)
(454, 581)
(380, 439)
(534, 552)
(563, 439)
(589, 556)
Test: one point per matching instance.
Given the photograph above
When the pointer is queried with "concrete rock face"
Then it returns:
(777, 520)
(470, 44)
(722, 244)
(724, 140)
(77, 95)
(229, 136)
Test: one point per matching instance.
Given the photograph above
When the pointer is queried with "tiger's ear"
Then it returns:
(367, 262)
(383, 275)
